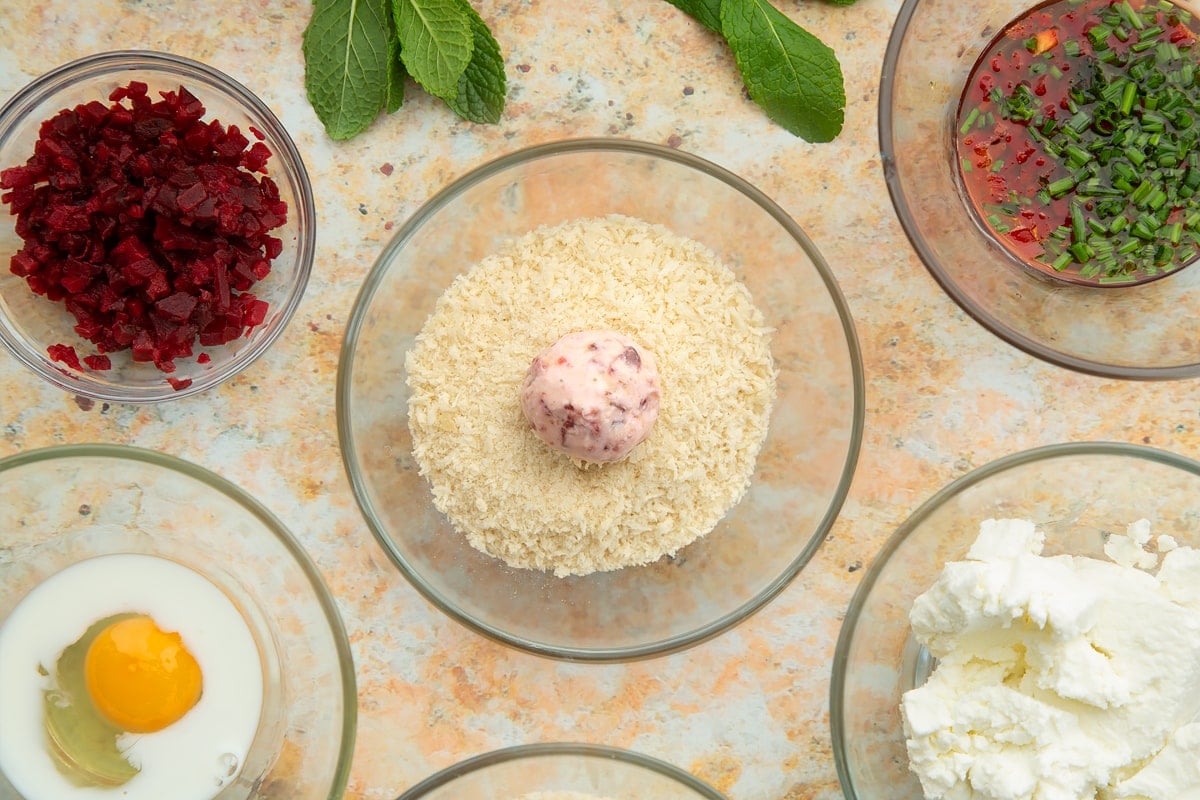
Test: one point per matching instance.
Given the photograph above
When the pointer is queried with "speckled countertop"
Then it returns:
(747, 711)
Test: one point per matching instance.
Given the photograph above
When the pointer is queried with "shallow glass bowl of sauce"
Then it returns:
(1041, 160)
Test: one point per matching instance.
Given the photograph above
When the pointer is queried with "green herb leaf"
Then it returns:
(707, 12)
(482, 86)
(397, 75)
(346, 63)
(435, 42)
(788, 71)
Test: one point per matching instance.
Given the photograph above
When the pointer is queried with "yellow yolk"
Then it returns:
(140, 678)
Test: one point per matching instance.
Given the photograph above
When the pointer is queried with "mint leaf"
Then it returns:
(396, 72)
(481, 89)
(707, 12)
(435, 42)
(788, 71)
(346, 63)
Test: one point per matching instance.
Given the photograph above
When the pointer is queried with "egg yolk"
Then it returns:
(139, 677)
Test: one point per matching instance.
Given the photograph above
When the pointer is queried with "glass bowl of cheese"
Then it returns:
(1032, 627)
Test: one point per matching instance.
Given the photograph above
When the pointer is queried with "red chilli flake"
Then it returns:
(148, 223)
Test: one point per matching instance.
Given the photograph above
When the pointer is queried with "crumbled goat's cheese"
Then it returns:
(1058, 677)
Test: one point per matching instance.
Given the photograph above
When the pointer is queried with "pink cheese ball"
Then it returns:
(592, 394)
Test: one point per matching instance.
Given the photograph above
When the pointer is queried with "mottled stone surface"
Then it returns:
(747, 711)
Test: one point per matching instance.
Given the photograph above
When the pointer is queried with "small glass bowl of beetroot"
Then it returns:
(156, 226)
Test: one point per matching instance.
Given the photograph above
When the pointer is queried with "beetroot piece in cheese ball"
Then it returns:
(592, 395)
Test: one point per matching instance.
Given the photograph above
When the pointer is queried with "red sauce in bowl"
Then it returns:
(1076, 140)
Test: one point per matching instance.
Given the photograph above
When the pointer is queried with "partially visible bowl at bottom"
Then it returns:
(562, 771)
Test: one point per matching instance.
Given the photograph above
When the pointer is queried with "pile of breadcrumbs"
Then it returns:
(517, 499)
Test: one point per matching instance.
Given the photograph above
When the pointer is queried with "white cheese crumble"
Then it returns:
(1058, 677)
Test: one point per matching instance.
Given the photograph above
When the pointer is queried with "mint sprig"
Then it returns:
(358, 54)
(435, 42)
(346, 63)
(480, 95)
(787, 71)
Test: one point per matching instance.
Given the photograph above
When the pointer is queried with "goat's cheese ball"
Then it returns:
(592, 395)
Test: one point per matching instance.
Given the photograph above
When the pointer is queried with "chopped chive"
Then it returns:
(966, 126)
(1128, 95)
(1059, 187)
(1098, 35)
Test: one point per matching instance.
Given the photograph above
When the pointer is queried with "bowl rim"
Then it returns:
(907, 218)
(837, 683)
(518, 752)
(375, 277)
(337, 629)
(287, 156)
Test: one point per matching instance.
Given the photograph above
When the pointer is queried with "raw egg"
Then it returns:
(139, 677)
(127, 676)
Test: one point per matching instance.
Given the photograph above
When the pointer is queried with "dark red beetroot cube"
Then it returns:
(190, 198)
(143, 348)
(177, 307)
(64, 354)
(23, 265)
(255, 159)
(98, 363)
(254, 311)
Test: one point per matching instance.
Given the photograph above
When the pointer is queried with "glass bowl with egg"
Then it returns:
(1040, 158)
(562, 771)
(162, 635)
(600, 399)
(157, 226)
(1032, 627)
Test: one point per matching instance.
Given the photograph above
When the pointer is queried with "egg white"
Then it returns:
(189, 760)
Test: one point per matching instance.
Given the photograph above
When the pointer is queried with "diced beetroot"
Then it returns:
(255, 159)
(148, 223)
(64, 354)
(22, 264)
(256, 313)
(177, 307)
(191, 197)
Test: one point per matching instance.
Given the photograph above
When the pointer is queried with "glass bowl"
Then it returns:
(803, 470)
(66, 504)
(30, 323)
(1145, 331)
(1077, 493)
(562, 771)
